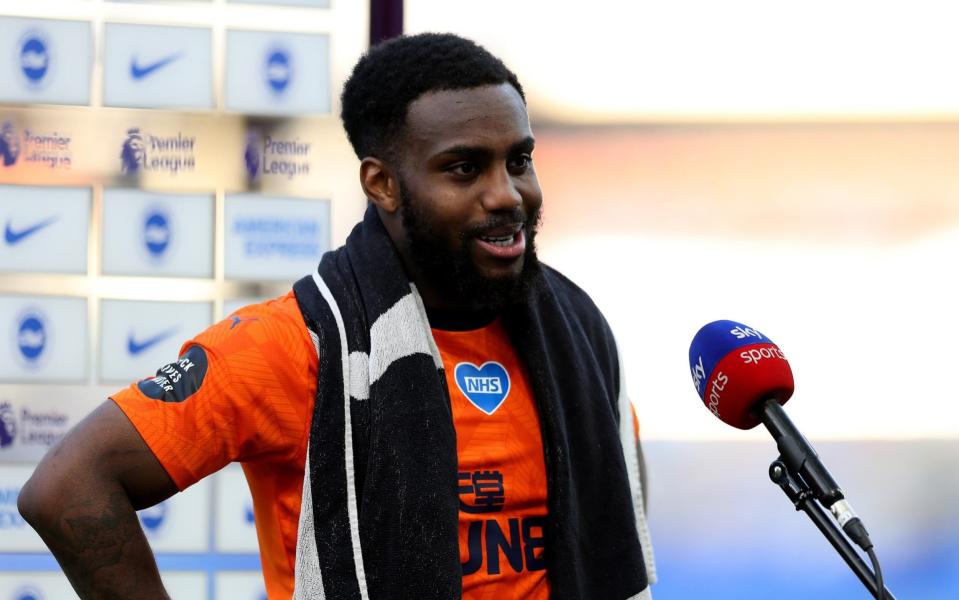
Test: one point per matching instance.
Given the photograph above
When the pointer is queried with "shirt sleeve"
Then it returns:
(243, 390)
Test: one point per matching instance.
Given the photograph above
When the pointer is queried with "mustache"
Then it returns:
(506, 219)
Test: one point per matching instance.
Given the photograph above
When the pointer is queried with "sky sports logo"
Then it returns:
(34, 58)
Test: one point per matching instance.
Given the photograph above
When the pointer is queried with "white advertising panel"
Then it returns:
(43, 338)
(44, 61)
(147, 66)
(16, 535)
(180, 523)
(137, 338)
(273, 238)
(240, 585)
(277, 73)
(32, 585)
(235, 526)
(44, 229)
(313, 3)
(147, 233)
(185, 585)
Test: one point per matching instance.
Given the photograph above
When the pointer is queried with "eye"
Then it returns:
(463, 169)
(521, 163)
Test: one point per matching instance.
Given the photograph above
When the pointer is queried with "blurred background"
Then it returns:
(793, 167)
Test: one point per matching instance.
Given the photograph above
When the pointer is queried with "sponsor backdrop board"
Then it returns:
(44, 338)
(233, 512)
(274, 238)
(45, 61)
(44, 229)
(179, 523)
(146, 66)
(151, 233)
(292, 73)
(155, 137)
(138, 337)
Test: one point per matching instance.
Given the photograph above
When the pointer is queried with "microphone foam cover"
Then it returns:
(736, 368)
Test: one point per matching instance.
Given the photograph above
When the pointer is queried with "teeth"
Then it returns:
(499, 241)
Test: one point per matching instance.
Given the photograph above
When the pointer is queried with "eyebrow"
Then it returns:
(524, 145)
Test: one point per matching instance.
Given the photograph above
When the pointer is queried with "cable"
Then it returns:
(880, 588)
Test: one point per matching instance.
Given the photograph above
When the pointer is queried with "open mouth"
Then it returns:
(504, 242)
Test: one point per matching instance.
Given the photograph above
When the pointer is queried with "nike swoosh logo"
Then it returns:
(136, 347)
(15, 237)
(140, 71)
(238, 320)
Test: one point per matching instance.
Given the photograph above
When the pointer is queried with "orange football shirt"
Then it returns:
(255, 405)
(502, 471)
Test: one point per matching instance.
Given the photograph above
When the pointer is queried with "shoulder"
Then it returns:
(576, 303)
(276, 321)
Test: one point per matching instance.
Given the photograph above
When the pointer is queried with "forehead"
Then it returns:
(487, 116)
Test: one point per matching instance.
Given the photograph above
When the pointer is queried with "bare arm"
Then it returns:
(82, 499)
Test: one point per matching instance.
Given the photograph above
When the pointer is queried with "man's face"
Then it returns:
(470, 198)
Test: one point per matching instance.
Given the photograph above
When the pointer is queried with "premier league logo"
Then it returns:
(133, 153)
(9, 144)
(279, 71)
(251, 155)
(31, 337)
(8, 425)
(34, 58)
(153, 518)
(156, 233)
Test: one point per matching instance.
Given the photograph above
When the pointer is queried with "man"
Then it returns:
(431, 414)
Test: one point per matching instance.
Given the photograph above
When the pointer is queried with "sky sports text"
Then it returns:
(742, 332)
(754, 355)
(715, 392)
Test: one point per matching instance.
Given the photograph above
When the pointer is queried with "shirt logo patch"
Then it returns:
(486, 387)
(177, 381)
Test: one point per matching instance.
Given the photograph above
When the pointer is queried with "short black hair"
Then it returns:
(393, 74)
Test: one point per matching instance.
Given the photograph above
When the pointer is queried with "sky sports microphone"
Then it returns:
(744, 379)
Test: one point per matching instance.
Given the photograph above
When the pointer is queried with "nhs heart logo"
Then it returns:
(486, 387)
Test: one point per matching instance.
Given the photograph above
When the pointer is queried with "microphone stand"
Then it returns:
(803, 499)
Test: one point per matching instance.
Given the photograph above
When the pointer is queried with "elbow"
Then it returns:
(30, 501)
(40, 499)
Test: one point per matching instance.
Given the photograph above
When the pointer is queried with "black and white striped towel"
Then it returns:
(380, 508)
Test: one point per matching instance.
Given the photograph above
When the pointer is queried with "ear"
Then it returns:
(380, 184)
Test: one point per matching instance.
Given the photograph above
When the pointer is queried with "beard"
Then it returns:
(453, 271)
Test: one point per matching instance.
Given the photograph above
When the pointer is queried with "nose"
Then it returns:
(502, 193)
